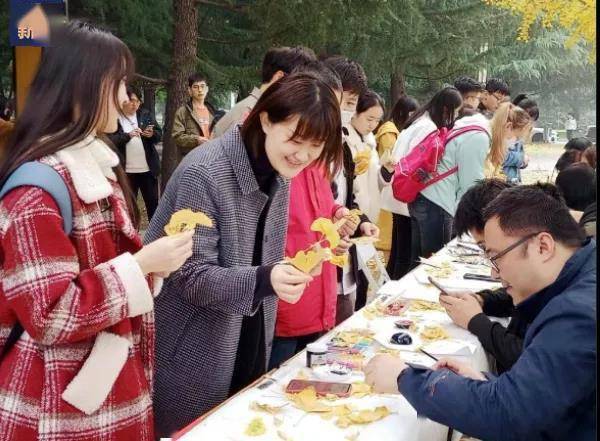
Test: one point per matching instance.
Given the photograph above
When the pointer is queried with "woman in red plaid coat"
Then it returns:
(81, 369)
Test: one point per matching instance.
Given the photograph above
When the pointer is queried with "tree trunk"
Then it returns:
(183, 63)
(150, 99)
(397, 85)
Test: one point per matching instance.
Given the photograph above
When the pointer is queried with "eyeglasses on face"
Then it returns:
(492, 261)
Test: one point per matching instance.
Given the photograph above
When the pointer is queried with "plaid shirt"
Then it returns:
(65, 291)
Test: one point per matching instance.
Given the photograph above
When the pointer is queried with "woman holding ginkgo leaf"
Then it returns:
(314, 238)
(215, 317)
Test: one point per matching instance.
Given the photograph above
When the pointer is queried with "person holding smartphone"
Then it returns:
(135, 139)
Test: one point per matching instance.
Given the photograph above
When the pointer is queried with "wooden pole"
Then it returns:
(25, 65)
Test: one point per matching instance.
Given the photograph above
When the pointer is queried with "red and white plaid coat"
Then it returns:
(71, 294)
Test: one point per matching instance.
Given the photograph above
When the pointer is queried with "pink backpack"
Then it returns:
(418, 170)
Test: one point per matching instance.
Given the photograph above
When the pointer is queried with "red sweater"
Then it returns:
(310, 198)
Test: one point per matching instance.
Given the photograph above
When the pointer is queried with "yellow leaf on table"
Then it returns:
(265, 407)
(433, 333)
(307, 401)
(328, 229)
(424, 305)
(256, 427)
(360, 389)
(363, 416)
(184, 220)
(341, 260)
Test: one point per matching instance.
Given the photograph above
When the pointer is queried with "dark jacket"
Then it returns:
(349, 174)
(120, 140)
(550, 392)
(187, 128)
(505, 344)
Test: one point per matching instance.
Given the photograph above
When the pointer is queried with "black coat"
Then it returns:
(120, 140)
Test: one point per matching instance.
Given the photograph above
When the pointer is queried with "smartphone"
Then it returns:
(438, 286)
(341, 390)
(481, 277)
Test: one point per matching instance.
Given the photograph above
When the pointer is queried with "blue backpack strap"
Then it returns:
(45, 177)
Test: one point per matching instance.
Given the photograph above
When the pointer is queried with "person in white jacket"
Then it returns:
(440, 111)
(362, 143)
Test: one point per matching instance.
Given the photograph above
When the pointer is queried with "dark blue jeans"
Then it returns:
(286, 347)
(431, 228)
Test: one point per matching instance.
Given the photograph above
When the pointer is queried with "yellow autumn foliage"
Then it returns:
(578, 17)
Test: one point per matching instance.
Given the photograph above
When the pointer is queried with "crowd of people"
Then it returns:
(106, 335)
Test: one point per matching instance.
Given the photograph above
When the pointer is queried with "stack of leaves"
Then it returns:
(424, 305)
(352, 337)
(433, 333)
(308, 401)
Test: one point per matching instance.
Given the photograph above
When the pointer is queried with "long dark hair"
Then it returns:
(401, 111)
(69, 96)
(307, 96)
(441, 108)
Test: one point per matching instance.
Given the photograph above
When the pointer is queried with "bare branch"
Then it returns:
(150, 80)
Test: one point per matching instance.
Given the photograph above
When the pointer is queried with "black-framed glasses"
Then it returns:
(491, 261)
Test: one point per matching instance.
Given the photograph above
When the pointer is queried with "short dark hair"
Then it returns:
(469, 211)
(580, 143)
(568, 158)
(313, 101)
(352, 74)
(369, 98)
(441, 108)
(285, 59)
(326, 73)
(528, 209)
(401, 111)
(196, 78)
(577, 183)
(494, 85)
(131, 90)
(466, 84)
(528, 105)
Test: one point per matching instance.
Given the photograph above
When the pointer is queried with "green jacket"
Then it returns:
(186, 127)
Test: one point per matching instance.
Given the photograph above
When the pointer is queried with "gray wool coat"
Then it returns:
(200, 308)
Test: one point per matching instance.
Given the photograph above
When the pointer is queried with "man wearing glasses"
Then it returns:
(496, 91)
(548, 267)
(191, 124)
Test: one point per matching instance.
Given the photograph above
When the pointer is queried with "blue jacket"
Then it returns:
(549, 393)
(514, 162)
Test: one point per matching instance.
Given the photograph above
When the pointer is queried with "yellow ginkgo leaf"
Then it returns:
(360, 389)
(363, 155)
(256, 427)
(363, 416)
(341, 260)
(433, 333)
(184, 220)
(307, 401)
(305, 261)
(328, 229)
